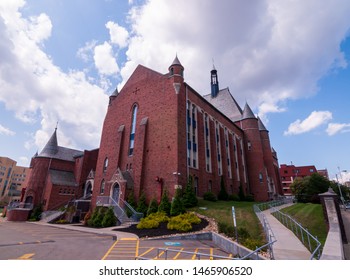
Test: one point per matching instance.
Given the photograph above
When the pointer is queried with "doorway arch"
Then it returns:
(116, 192)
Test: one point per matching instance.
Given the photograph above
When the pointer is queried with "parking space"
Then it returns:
(132, 248)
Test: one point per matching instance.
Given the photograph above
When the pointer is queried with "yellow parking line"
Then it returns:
(195, 254)
(211, 253)
(26, 256)
(130, 239)
(144, 253)
(178, 254)
(160, 254)
(137, 248)
(109, 250)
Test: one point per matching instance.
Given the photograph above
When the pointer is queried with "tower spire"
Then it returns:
(214, 82)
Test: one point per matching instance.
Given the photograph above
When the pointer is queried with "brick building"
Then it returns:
(59, 175)
(158, 130)
(290, 172)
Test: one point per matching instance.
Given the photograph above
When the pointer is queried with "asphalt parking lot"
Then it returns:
(24, 240)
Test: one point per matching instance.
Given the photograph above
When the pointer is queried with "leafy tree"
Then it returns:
(164, 205)
(153, 207)
(177, 205)
(189, 196)
(345, 192)
(142, 205)
(307, 189)
(223, 195)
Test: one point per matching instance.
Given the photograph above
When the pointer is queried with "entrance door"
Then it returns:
(115, 194)
(88, 190)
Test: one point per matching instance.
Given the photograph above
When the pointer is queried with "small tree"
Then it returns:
(164, 205)
(177, 205)
(153, 207)
(131, 200)
(189, 196)
(109, 219)
(142, 205)
(223, 195)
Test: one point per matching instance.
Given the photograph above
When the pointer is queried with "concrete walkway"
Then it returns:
(287, 246)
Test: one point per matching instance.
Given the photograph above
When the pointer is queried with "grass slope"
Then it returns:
(310, 216)
(221, 211)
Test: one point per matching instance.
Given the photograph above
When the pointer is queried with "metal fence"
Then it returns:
(309, 241)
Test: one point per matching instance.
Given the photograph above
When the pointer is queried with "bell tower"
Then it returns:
(214, 82)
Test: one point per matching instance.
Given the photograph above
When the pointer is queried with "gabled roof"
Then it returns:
(226, 104)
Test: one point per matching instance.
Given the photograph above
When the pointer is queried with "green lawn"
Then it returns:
(221, 211)
(310, 216)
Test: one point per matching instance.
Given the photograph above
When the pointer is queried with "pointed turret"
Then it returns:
(176, 68)
(214, 82)
(248, 113)
(51, 147)
(261, 125)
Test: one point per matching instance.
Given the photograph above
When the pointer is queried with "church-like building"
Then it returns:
(157, 132)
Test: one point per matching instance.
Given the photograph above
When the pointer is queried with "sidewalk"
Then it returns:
(287, 246)
(110, 231)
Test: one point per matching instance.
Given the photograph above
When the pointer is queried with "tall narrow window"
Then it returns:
(132, 132)
(105, 165)
(207, 143)
(218, 148)
(102, 189)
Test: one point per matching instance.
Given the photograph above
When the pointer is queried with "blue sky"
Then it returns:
(60, 59)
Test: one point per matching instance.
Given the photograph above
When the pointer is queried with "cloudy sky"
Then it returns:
(60, 59)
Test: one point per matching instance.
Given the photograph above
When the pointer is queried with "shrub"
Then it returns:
(97, 217)
(109, 219)
(249, 198)
(191, 217)
(63, 221)
(153, 207)
(87, 217)
(228, 230)
(35, 215)
(209, 196)
(234, 197)
(160, 217)
(131, 200)
(147, 223)
(241, 193)
(179, 223)
(164, 205)
(177, 206)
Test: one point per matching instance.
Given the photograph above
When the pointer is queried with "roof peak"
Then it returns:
(248, 112)
(51, 147)
(176, 61)
(262, 127)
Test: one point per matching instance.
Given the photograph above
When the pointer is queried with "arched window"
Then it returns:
(133, 129)
(102, 189)
(105, 165)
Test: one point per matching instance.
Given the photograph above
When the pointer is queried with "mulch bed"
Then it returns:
(162, 230)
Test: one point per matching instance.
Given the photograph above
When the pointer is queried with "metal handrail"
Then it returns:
(299, 231)
(136, 216)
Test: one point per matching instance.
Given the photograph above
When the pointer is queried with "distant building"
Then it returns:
(291, 172)
(12, 179)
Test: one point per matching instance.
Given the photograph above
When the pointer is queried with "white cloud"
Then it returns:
(36, 89)
(6, 131)
(118, 34)
(314, 120)
(334, 128)
(105, 61)
(23, 161)
(85, 52)
(279, 48)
